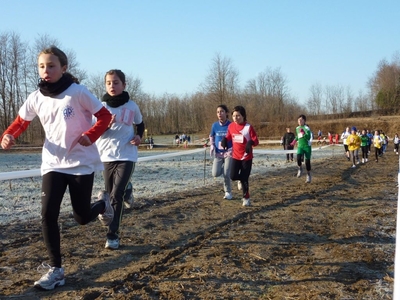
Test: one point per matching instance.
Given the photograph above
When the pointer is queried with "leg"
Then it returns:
(235, 169)
(80, 189)
(245, 174)
(291, 154)
(353, 157)
(54, 185)
(286, 147)
(122, 173)
(300, 154)
(217, 168)
(227, 172)
(307, 155)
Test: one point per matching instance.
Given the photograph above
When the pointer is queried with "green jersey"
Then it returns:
(303, 136)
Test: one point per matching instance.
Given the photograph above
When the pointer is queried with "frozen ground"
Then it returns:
(20, 198)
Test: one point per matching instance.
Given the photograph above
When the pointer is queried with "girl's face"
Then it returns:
(300, 121)
(221, 114)
(114, 85)
(237, 117)
(50, 68)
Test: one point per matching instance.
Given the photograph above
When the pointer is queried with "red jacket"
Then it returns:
(240, 134)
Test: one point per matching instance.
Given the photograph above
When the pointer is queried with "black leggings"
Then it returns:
(364, 150)
(54, 185)
(240, 170)
(116, 177)
(306, 161)
(377, 153)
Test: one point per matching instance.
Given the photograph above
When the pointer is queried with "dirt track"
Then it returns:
(331, 239)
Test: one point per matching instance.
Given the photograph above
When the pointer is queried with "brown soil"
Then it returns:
(331, 239)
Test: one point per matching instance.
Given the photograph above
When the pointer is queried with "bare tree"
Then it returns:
(222, 81)
(385, 83)
(314, 101)
(12, 76)
(268, 91)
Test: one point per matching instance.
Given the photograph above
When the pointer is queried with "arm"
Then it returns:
(13, 131)
(139, 134)
(103, 120)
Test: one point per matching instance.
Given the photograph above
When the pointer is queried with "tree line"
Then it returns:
(267, 97)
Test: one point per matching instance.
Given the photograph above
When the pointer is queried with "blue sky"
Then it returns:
(170, 45)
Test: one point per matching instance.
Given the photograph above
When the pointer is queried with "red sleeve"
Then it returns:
(228, 135)
(103, 120)
(16, 128)
(253, 136)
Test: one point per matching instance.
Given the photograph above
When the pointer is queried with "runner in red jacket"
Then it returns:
(243, 137)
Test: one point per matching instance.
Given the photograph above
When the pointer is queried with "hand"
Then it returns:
(136, 140)
(7, 142)
(293, 143)
(224, 143)
(84, 140)
(212, 150)
(249, 146)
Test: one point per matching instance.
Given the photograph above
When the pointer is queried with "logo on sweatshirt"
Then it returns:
(68, 112)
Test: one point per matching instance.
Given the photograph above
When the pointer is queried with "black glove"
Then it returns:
(224, 143)
(249, 146)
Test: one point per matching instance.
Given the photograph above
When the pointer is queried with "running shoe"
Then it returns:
(308, 178)
(112, 244)
(228, 196)
(108, 215)
(246, 202)
(128, 197)
(299, 172)
(52, 277)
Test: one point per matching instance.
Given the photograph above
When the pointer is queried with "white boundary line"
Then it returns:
(36, 172)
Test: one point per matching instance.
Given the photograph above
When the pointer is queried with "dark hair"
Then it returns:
(241, 110)
(119, 73)
(224, 107)
(62, 57)
(303, 117)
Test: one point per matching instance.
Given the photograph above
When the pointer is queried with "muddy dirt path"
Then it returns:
(331, 239)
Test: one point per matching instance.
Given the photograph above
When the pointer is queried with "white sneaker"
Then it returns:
(362, 160)
(128, 196)
(366, 159)
(358, 162)
(112, 244)
(108, 215)
(246, 202)
(308, 178)
(353, 166)
(52, 277)
(228, 196)
(240, 186)
(299, 173)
